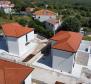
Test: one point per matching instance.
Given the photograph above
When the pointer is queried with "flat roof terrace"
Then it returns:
(38, 44)
(82, 58)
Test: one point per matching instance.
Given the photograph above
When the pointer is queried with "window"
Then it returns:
(26, 38)
(27, 41)
(86, 49)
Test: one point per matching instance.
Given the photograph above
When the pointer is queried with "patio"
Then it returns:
(82, 58)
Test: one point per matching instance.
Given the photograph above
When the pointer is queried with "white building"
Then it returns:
(64, 48)
(52, 24)
(43, 15)
(20, 43)
(70, 53)
(6, 6)
(18, 38)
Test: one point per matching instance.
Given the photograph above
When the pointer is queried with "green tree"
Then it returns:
(71, 24)
(2, 14)
(89, 22)
(23, 22)
(39, 28)
(78, 16)
(21, 4)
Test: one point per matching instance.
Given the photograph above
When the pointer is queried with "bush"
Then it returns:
(23, 22)
(2, 14)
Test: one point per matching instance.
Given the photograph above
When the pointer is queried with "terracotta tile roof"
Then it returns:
(2, 81)
(52, 21)
(12, 73)
(67, 41)
(44, 12)
(15, 29)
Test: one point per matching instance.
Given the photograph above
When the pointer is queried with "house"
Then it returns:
(20, 43)
(17, 38)
(52, 24)
(12, 73)
(6, 6)
(43, 15)
(65, 45)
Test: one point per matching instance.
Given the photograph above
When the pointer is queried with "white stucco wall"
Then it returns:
(22, 41)
(62, 60)
(17, 45)
(21, 44)
(30, 36)
(44, 18)
(12, 45)
(56, 26)
(28, 79)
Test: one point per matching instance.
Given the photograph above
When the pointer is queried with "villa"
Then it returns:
(7, 6)
(21, 42)
(12, 73)
(18, 36)
(43, 15)
(70, 53)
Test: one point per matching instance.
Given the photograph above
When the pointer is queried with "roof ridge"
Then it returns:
(70, 36)
(70, 45)
(15, 29)
(68, 41)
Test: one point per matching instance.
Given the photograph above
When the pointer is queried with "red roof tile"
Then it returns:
(15, 29)
(2, 81)
(44, 12)
(12, 73)
(67, 41)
